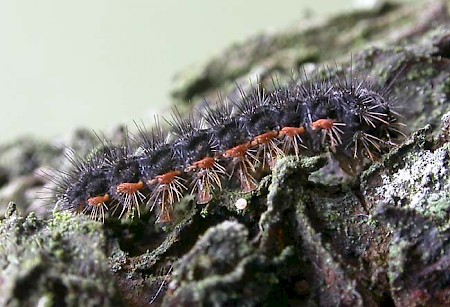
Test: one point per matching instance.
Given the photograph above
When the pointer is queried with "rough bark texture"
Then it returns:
(306, 237)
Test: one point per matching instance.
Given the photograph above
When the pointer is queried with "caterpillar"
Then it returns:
(233, 143)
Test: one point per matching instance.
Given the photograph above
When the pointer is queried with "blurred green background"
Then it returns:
(94, 64)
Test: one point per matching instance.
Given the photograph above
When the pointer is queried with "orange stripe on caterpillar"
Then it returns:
(133, 197)
(207, 178)
(168, 189)
(292, 131)
(291, 139)
(98, 200)
(98, 207)
(239, 151)
(130, 187)
(268, 149)
(244, 165)
(333, 132)
(264, 138)
(323, 124)
(166, 178)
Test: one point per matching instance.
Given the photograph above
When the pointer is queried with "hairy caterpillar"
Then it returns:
(232, 142)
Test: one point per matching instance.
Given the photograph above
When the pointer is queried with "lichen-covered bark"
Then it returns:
(308, 236)
(58, 262)
(410, 197)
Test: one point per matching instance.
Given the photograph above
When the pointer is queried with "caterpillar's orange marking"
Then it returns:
(264, 138)
(98, 204)
(333, 132)
(207, 178)
(292, 140)
(323, 124)
(205, 163)
(238, 151)
(129, 187)
(166, 178)
(291, 131)
(133, 196)
(169, 189)
(98, 200)
(268, 149)
(244, 167)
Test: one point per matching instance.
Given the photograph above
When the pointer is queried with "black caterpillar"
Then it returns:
(351, 118)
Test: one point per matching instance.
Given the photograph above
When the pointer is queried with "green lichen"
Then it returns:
(59, 263)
